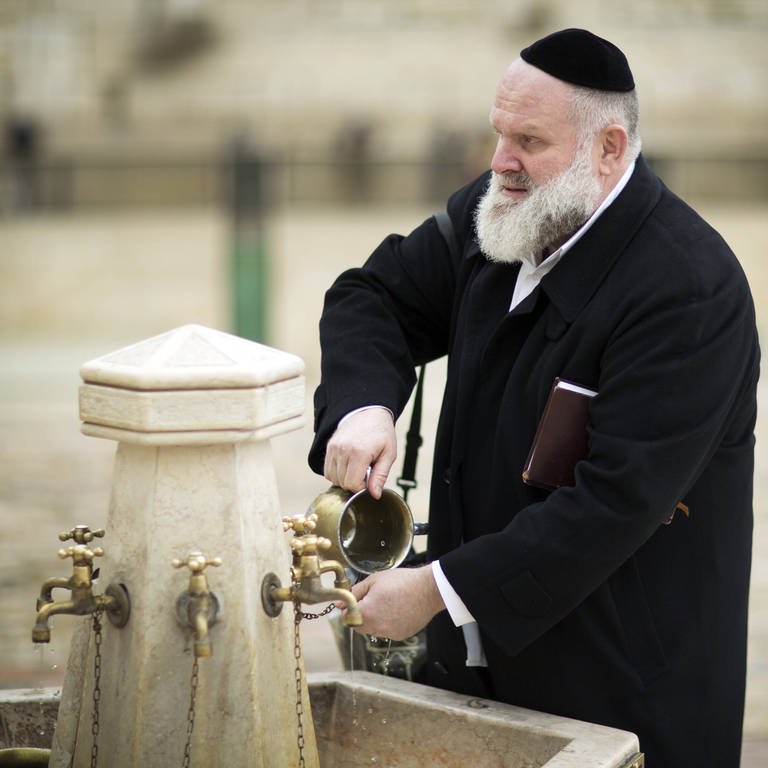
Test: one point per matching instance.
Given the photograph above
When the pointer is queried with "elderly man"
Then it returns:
(619, 597)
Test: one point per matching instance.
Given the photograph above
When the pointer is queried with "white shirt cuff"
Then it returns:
(364, 408)
(458, 612)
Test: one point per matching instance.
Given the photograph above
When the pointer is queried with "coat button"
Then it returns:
(447, 477)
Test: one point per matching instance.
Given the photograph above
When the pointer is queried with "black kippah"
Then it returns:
(581, 58)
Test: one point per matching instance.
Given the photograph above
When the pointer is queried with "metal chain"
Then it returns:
(297, 617)
(328, 608)
(96, 687)
(191, 714)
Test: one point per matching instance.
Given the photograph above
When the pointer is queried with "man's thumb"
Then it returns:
(377, 479)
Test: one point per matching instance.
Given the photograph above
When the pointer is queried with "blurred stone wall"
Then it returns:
(168, 85)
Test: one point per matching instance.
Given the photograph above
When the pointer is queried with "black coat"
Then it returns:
(589, 606)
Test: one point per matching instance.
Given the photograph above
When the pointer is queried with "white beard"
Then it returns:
(513, 230)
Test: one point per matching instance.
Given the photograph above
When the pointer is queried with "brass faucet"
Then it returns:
(80, 584)
(307, 570)
(198, 607)
(80, 534)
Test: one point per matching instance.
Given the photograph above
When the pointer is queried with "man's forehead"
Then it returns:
(526, 80)
(530, 96)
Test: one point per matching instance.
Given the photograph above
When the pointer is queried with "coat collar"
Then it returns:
(571, 284)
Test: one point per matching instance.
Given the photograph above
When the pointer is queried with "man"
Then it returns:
(620, 599)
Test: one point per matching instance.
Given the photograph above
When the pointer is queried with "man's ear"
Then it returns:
(613, 149)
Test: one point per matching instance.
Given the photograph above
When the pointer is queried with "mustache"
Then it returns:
(519, 179)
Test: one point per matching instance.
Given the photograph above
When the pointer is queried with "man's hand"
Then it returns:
(397, 603)
(362, 440)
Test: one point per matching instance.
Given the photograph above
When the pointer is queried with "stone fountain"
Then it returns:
(192, 412)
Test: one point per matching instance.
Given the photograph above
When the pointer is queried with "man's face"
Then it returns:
(543, 185)
(531, 118)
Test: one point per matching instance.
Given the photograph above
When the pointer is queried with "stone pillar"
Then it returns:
(192, 412)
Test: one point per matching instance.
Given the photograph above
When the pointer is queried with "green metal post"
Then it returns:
(249, 273)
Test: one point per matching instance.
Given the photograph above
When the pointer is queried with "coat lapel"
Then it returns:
(571, 284)
(486, 304)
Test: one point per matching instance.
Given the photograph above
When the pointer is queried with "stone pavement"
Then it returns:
(74, 288)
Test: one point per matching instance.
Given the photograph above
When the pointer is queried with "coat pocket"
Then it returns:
(643, 645)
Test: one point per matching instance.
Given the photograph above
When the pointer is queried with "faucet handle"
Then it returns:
(309, 544)
(81, 534)
(300, 523)
(196, 562)
(80, 554)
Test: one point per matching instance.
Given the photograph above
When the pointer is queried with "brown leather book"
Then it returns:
(561, 437)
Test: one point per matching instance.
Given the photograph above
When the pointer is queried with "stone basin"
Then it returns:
(366, 719)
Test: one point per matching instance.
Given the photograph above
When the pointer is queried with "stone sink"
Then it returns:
(364, 719)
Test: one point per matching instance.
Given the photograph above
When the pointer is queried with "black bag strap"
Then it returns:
(413, 439)
(445, 225)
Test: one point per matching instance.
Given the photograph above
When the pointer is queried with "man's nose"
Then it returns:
(505, 159)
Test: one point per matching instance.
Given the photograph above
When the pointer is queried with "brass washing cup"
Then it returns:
(366, 534)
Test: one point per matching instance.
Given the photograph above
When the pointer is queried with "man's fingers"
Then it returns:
(363, 439)
(354, 476)
(360, 589)
(397, 603)
(379, 473)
